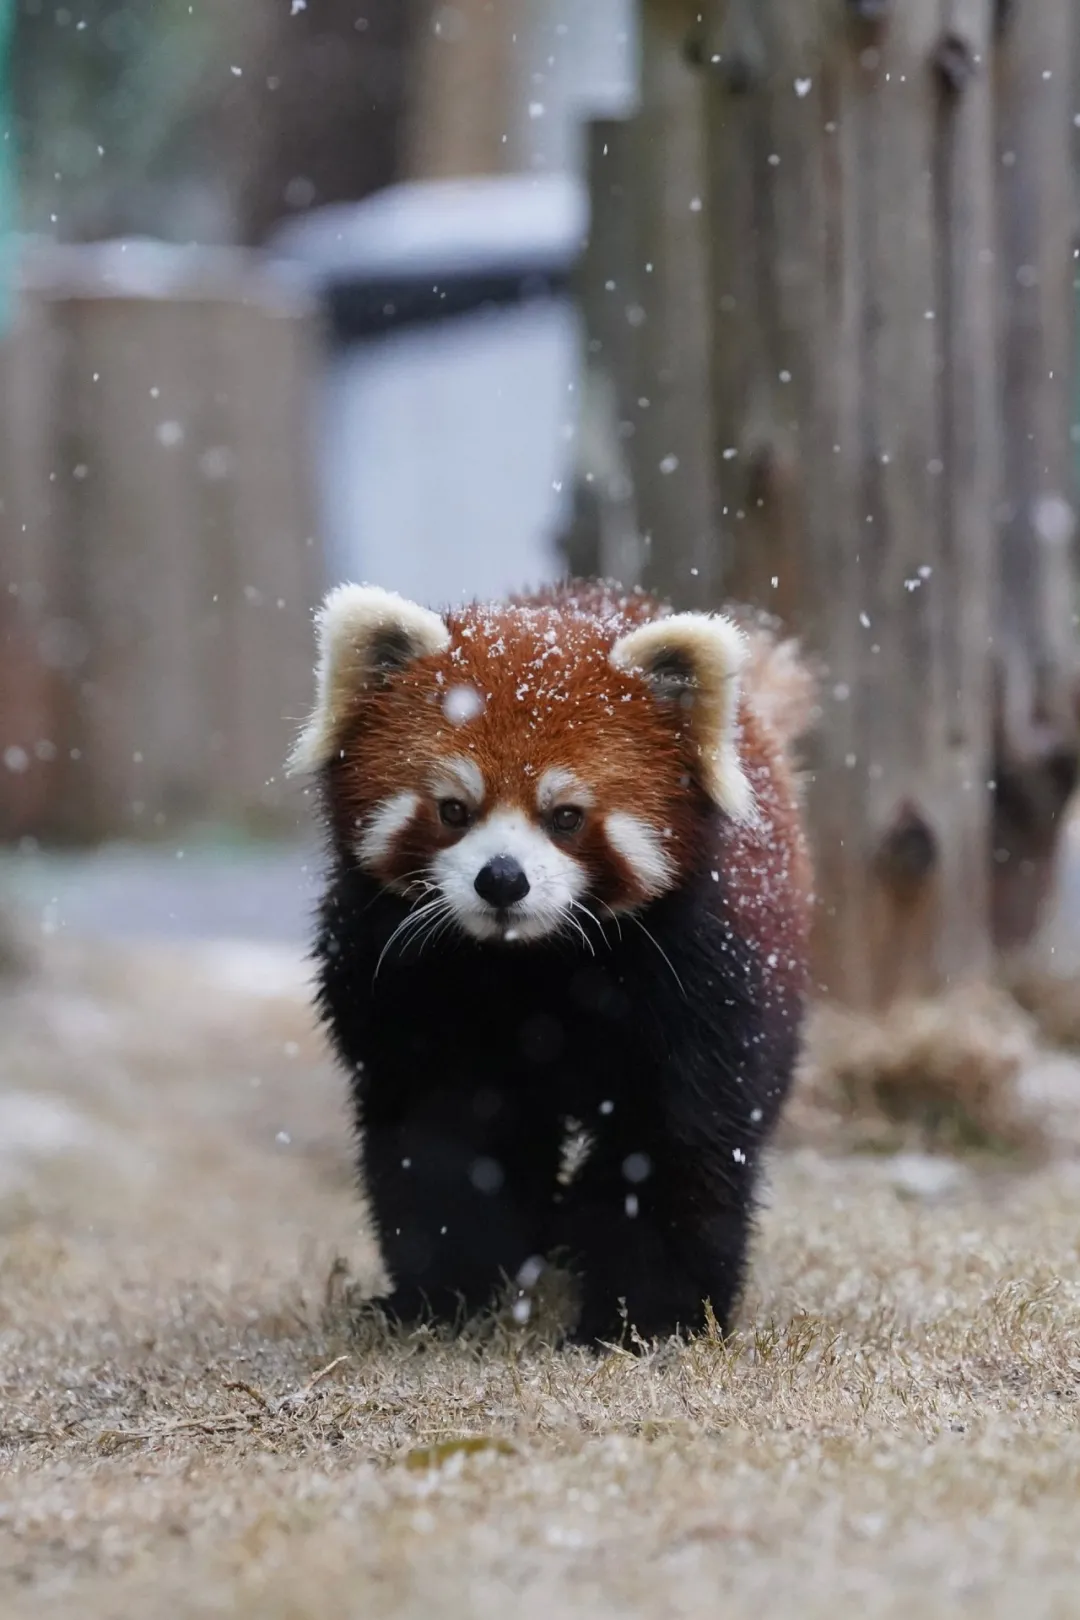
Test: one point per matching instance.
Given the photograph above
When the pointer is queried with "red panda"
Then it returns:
(567, 880)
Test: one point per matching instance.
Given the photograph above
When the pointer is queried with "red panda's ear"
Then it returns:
(363, 634)
(694, 660)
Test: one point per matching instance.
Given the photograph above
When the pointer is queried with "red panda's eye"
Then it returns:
(567, 818)
(453, 813)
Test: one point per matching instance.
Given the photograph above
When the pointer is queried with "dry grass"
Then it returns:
(943, 1076)
(197, 1418)
(1051, 999)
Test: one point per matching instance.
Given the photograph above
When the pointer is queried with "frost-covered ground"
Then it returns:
(197, 1420)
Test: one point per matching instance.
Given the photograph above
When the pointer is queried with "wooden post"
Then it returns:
(40, 647)
(1037, 695)
(461, 115)
(318, 114)
(670, 450)
(851, 171)
(606, 538)
(645, 298)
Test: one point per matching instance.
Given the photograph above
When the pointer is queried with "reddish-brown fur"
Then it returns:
(552, 699)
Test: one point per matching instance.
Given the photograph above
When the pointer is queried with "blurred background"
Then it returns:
(287, 300)
(768, 301)
(762, 301)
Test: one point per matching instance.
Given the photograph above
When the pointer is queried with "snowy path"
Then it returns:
(211, 891)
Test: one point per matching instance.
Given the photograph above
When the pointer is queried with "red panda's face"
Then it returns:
(514, 770)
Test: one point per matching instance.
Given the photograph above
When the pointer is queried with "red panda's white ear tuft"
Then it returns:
(363, 633)
(695, 660)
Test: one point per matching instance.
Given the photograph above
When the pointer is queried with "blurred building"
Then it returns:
(167, 391)
(449, 410)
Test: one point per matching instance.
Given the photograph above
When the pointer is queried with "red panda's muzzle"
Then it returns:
(504, 879)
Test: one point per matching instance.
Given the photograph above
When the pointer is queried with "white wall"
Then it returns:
(577, 60)
(448, 452)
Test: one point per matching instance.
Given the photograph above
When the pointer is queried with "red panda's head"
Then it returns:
(507, 766)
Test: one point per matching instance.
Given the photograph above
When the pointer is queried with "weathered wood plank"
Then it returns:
(971, 431)
(753, 461)
(274, 563)
(852, 245)
(38, 652)
(165, 552)
(1037, 721)
(671, 449)
(461, 116)
(126, 465)
(606, 536)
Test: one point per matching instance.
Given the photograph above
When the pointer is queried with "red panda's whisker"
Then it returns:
(417, 878)
(591, 916)
(579, 905)
(654, 941)
(568, 917)
(614, 915)
(411, 920)
(419, 887)
(410, 881)
(430, 920)
(437, 928)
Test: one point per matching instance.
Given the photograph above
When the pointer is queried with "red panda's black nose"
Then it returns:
(501, 882)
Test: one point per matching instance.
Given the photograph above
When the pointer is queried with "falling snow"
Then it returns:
(462, 704)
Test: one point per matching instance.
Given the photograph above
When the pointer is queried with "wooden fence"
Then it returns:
(875, 409)
(158, 561)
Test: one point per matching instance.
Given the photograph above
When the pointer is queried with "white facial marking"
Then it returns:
(560, 786)
(555, 879)
(382, 827)
(459, 778)
(641, 849)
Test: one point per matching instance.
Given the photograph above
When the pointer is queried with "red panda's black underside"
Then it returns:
(671, 1042)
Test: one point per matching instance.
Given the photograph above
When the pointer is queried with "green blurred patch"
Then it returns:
(468, 1445)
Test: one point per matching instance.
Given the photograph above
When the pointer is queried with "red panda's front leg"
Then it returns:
(658, 1223)
(460, 1199)
(649, 1243)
